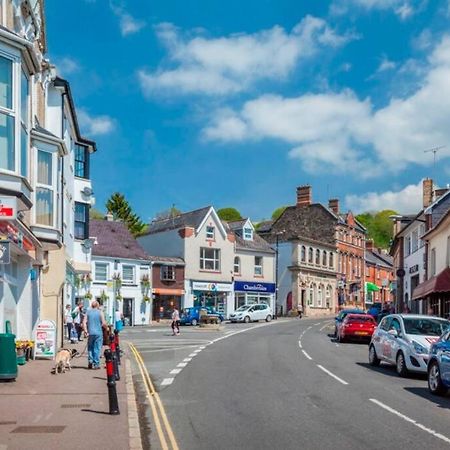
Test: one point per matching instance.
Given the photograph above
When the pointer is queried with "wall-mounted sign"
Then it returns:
(400, 273)
(414, 268)
(5, 252)
(251, 286)
(45, 342)
(8, 208)
(214, 287)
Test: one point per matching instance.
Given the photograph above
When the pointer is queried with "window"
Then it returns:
(101, 272)
(24, 120)
(81, 220)
(433, 262)
(210, 259)
(303, 253)
(414, 241)
(328, 296)
(331, 260)
(81, 161)
(310, 296)
(258, 266)
(168, 273)
(324, 258)
(407, 246)
(128, 274)
(237, 265)
(317, 257)
(319, 296)
(310, 255)
(248, 234)
(45, 191)
(209, 232)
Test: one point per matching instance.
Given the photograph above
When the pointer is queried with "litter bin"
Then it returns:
(8, 359)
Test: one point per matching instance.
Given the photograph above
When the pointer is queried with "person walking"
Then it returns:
(93, 324)
(175, 321)
(299, 311)
(118, 320)
(77, 316)
(68, 322)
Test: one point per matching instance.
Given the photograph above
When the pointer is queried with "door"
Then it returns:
(391, 343)
(128, 308)
(379, 340)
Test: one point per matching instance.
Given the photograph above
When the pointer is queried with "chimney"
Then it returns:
(333, 204)
(369, 245)
(304, 195)
(109, 217)
(427, 192)
(439, 192)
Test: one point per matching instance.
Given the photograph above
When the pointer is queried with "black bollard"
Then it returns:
(117, 343)
(112, 346)
(111, 383)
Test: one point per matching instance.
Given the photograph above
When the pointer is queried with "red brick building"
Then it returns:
(379, 272)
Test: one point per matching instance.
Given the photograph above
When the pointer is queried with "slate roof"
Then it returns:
(343, 219)
(379, 259)
(190, 219)
(237, 224)
(265, 226)
(257, 244)
(166, 259)
(113, 239)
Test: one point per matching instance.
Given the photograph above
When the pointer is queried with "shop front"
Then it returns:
(249, 292)
(215, 295)
(164, 301)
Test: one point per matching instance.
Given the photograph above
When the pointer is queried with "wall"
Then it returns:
(247, 273)
(164, 284)
(285, 250)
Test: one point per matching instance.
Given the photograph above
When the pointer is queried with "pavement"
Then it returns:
(67, 411)
(286, 384)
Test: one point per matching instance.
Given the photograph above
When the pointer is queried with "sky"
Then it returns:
(236, 103)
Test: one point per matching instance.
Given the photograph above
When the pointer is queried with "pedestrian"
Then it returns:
(93, 324)
(118, 319)
(77, 316)
(299, 311)
(175, 321)
(68, 321)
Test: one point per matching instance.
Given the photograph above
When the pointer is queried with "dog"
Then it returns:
(63, 358)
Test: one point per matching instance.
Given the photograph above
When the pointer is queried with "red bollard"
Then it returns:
(116, 342)
(112, 346)
(111, 383)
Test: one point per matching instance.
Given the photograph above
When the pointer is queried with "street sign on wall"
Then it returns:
(8, 208)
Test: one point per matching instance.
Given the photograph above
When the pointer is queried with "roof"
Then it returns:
(379, 259)
(343, 219)
(190, 219)
(237, 224)
(265, 226)
(438, 284)
(43, 130)
(166, 259)
(113, 239)
(258, 244)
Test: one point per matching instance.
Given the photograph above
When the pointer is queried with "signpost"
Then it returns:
(8, 208)
(45, 341)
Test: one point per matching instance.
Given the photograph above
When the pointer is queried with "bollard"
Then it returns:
(116, 342)
(112, 346)
(111, 383)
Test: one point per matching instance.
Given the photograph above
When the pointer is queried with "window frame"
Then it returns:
(165, 271)
(216, 259)
(52, 187)
(133, 270)
(210, 232)
(237, 263)
(84, 163)
(99, 280)
(258, 270)
(85, 222)
(247, 233)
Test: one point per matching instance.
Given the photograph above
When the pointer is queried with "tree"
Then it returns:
(119, 207)
(229, 214)
(380, 227)
(167, 213)
(277, 213)
(96, 214)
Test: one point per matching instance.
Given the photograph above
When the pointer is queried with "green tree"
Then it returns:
(119, 207)
(229, 214)
(277, 213)
(167, 213)
(96, 214)
(380, 227)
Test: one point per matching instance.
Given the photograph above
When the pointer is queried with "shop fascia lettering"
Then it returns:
(254, 287)
(214, 287)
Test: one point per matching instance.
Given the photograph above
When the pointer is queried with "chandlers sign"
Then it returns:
(251, 286)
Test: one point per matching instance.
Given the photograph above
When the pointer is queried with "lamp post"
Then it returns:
(277, 237)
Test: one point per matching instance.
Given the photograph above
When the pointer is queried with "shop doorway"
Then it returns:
(128, 308)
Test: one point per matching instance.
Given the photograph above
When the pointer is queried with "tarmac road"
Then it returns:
(286, 385)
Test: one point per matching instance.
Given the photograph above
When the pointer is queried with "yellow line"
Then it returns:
(159, 429)
(169, 430)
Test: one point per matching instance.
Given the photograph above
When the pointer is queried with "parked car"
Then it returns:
(252, 313)
(191, 316)
(375, 310)
(341, 316)
(356, 326)
(404, 340)
(439, 365)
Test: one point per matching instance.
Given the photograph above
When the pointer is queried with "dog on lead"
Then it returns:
(63, 357)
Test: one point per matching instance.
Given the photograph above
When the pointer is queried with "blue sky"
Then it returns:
(236, 103)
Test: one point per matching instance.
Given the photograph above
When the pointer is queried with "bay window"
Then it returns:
(210, 259)
(45, 191)
(81, 220)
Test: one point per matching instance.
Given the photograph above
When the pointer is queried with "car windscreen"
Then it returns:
(243, 308)
(426, 326)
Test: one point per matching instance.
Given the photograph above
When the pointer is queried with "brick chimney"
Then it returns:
(369, 245)
(304, 195)
(439, 192)
(427, 192)
(333, 204)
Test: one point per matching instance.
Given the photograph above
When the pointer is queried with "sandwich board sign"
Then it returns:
(45, 341)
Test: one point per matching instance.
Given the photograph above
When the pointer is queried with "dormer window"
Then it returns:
(210, 232)
(248, 234)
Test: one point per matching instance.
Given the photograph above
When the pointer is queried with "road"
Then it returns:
(283, 385)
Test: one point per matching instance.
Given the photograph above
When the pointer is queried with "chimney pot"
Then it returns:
(369, 245)
(304, 195)
(427, 192)
(333, 204)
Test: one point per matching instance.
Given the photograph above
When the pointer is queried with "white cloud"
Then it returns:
(406, 201)
(403, 8)
(67, 66)
(223, 65)
(386, 65)
(338, 130)
(95, 125)
(128, 24)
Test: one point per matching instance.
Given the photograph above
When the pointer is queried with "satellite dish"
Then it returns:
(87, 191)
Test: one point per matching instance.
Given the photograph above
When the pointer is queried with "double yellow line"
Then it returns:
(164, 430)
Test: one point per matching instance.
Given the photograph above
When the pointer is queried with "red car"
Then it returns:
(357, 326)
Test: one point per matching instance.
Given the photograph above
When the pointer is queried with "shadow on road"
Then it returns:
(442, 402)
(390, 371)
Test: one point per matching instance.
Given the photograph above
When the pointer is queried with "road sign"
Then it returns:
(8, 208)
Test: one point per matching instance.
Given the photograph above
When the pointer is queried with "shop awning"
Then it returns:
(168, 291)
(371, 287)
(435, 285)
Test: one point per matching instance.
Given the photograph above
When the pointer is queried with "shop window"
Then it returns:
(81, 161)
(324, 258)
(210, 259)
(101, 272)
(81, 220)
(310, 255)
(209, 232)
(237, 265)
(248, 234)
(168, 273)
(258, 266)
(317, 257)
(128, 274)
(45, 191)
(303, 253)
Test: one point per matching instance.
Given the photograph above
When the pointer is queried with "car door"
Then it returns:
(392, 343)
(258, 312)
(443, 352)
(264, 312)
(380, 338)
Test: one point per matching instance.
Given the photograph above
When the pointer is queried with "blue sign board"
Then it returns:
(252, 286)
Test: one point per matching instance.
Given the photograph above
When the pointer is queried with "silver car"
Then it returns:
(252, 313)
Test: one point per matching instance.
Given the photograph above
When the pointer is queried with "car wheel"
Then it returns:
(373, 358)
(268, 318)
(194, 322)
(401, 365)
(246, 319)
(434, 380)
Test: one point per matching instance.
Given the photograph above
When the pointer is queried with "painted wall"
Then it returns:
(247, 260)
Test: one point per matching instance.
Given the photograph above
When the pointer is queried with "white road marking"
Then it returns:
(306, 354)
(316, 324)
(300, 344)
(182, 364)
(167, 381)
(337, 345)
(308, 328)
(408, 419)
(331, 374)
(326, 326)
(202, 347)
(197, 351)
(175, 371)
(192, 355)
(187, 359)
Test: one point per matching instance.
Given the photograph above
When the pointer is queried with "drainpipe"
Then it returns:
(64, 94)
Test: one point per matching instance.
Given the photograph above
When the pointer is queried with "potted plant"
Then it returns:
(118, 296)
(146, 298)
(23, 351)
(88, 295)
(103, 297)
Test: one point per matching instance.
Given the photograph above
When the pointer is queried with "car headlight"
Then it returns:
(418, 348)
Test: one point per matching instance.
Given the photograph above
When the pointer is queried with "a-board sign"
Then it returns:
(45, 340)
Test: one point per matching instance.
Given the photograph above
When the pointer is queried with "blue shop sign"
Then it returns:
(251, 286)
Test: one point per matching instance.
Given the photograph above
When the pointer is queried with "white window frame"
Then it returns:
(53, 188)
(167, 270)
(237, 265)
(128, 281)
(248, 234)
(259, 268)
(319, 296)
(215, 260)
(99, 280)
(210, 232)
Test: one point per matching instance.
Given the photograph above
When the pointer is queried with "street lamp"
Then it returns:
(277, 236)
